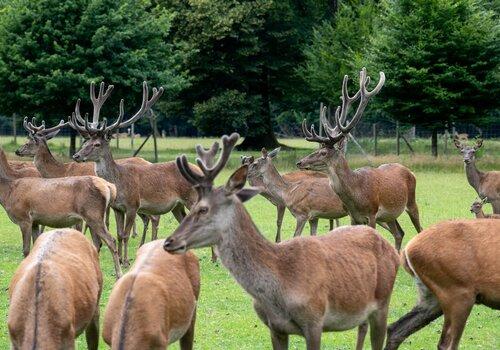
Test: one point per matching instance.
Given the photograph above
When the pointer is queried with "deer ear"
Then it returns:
(237, 180)
(457, 143)
(479, 143)
(51, 134)
(264, 152)
(485, 200)
(274, 152)
(247, 193)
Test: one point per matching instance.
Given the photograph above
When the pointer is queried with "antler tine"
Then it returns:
(28, 126)
(311, 135)
(332, 132)
(146, 105)
(186, 171)
(207, 155)
(99, 100)
(78, 116)
(74, 123)
(118, 121)
(61, 125)
(210, 173)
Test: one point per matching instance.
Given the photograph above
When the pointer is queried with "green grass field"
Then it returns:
(225, 318)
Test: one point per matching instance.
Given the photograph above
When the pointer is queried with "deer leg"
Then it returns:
(400, 229)
(412, 211)
(26, 232)
(313, 223)
(179, 212)
(331, 223)
(280, 211)
(155, 224)
(120, 222)
(372, 221)
(134, 230)
(395, 232)
(92, 332)
(129, 222)
(455, 317)
(78, 226)
(145, 222)
(186, 342)
(362, 330)
(100, 230)
(313, 337)
(279, 340)
(301, 222)
(378, 327)
(35, 232)
(108, 210)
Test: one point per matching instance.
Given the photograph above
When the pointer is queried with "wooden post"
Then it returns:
(375, 136)
(117, 138)
(132, 136)
(321, 105)
(446, 135)
(142, 145)
(152, 120)
(397, 138)
(14, 127)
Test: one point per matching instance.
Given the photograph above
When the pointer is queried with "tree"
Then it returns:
(441, 59)
(51, 50)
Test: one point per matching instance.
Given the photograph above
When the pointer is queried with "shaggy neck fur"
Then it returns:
(5, 169)
(473, 175)
(106, 167)
(250, 258)
(46, 164)
(274, 182)
(341, 176)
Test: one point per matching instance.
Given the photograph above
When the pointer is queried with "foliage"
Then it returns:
(441, 59)
(51, 50)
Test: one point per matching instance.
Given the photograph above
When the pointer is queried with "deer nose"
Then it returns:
(76, 157)
(299, 163)
(17, 152)
(168, 243)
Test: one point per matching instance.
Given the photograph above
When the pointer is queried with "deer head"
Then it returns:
(477, 206)
(98, 133)
(211, 217)
(37, 136)
(332, 144)
(468, 152)
(262, 164)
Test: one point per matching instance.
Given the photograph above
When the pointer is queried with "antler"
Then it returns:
(209, 172)
(335, 134)
(207, 156)
(41, 130)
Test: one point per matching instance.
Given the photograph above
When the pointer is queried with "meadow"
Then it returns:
(225, 317)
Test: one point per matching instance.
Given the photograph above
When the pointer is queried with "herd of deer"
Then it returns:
(304, 286)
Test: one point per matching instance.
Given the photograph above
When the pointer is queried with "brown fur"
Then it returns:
(54, 294)
(60, 202)
(16, 170)
(138, 320)
(464, 272)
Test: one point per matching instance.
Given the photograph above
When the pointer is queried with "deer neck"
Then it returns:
(5, 168)
(47, 165)
(340, 174)
(5, 188)
(249, 257)
(106, 167)
(480, 214)
(473, 175)
(274, 182)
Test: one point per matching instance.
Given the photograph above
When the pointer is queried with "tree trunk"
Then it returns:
(434, 142)
(266, 138)
(72, 142)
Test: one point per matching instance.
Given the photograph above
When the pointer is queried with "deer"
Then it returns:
(151, 189)
(477, 209)
(55, 292)
(486, 184)
(31, 202)
(37, 147)
(306, 198)
(306, 285)
(256, 180)
(16, 171)
(370, 195)
(166, 313)
(465, 272)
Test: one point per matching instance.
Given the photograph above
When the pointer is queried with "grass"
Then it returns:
(225, 318)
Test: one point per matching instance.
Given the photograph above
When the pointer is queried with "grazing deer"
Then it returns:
(164, 314)
(477, 209)
(308, 199)
(370, 195)
(466, 271)
(62, 202)
(486, 184)
(36, 146)
(303, 286)
(256, 180)
(152, 189)
(54, 294)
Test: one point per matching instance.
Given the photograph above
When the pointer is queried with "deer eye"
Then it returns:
(97, 145)
(203, 210)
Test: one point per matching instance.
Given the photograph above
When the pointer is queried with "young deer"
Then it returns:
(308, 199)
(162, 316)
(466, 271)
(54, 294)
(370, 195)
(63, 202)
(256, 180)
(36, 146)
(303, 286)
(152, 189)
(477, 209)
(486, 184)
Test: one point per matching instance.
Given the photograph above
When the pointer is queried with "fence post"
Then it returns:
(132, 136)
(397, 138)
(375, 136)
(14, 127)
(117, 139)
(320, 123)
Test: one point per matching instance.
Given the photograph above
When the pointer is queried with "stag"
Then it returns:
(295, 176)
(166, 313)
(54, 294)
(151, 189)
(303, 286)
(464, 272)
(36, 146)
(477, 209)
(370, 195)
(306, 198)
(486, 184)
